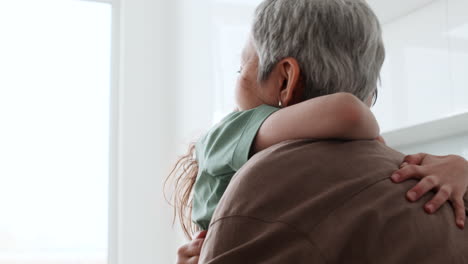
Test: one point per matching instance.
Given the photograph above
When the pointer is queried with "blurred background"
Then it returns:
(98, 98)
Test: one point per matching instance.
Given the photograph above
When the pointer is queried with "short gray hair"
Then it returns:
(337, 43)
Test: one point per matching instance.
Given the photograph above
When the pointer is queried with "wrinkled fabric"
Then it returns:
(328, 202)
(220, 154)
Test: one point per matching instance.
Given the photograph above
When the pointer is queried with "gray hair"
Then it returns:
(337, 43)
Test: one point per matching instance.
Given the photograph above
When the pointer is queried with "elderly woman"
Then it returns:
(335, 46)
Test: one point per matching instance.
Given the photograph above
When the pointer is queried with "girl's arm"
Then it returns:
(337, 116)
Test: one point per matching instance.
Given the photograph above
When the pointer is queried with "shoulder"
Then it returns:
(303, 176)
(239, 119)
(231, 138)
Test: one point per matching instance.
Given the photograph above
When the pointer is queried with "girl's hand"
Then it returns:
(447, 174)
(190, 252)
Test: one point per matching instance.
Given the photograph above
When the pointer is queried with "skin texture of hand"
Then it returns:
(190, 252)
(448, 175)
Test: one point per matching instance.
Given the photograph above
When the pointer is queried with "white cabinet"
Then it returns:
(425, 75)
(416, 85)
(454, 145)
(458, 44)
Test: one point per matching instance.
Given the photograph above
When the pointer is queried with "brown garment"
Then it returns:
(328, 202)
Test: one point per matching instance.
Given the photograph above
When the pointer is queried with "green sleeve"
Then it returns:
(220, 154)
(245, 140)
(226, 147)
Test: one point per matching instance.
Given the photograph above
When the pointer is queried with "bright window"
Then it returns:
(54, 131)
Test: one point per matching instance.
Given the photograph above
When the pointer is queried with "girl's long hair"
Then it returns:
(183, 176)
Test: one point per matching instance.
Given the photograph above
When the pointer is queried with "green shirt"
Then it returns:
(220, 154)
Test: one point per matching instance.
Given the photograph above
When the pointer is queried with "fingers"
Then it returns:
(190, 252)
(438, 200)
(193, 260)
(188, 260)
(190, 249)
(195, 250)
(459, 207)
(195, 247)
(201, 234)
(407, 172)
(415, 159)
(182, 251)
(425, 185)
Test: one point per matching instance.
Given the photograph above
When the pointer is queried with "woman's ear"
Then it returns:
(292, 89)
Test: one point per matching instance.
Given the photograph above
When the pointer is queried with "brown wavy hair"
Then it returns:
(182, 179)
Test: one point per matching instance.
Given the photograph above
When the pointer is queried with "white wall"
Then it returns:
(194, 71)
(146, 111)
(164, 102)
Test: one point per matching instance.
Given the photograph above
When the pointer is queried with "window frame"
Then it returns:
(112, 240)
(112, 245)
